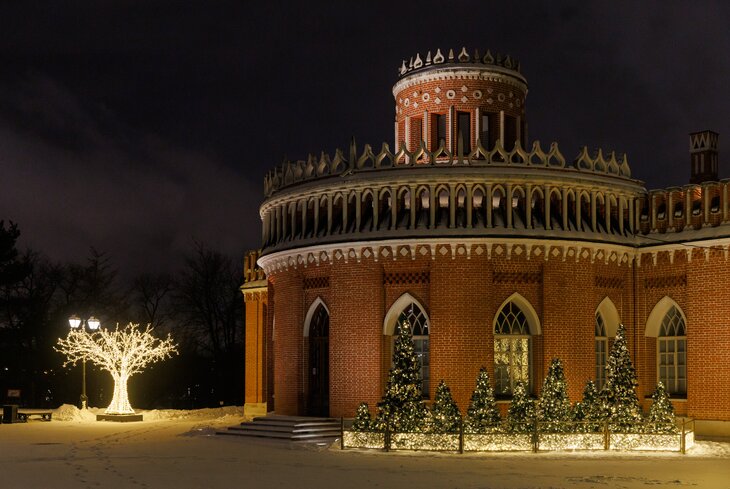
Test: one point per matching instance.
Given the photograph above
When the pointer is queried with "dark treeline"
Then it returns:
(200, 306)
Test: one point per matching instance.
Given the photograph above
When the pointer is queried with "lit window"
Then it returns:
(601, 342)
(419, 329)
(511, 349)
(672, 353)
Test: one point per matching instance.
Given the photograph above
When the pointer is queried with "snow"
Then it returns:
(173, 448)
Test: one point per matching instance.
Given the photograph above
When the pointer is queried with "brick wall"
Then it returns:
(462, 297)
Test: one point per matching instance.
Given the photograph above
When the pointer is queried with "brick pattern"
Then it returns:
(463, 296)
(608, 282)
(316, 283)
(489, 96)
(665, 281)
(517, 278)
(406, 278)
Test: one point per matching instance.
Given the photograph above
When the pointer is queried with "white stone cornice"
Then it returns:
(491, 73)
(451, 248)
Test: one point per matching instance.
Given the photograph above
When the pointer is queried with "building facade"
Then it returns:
(500, 253)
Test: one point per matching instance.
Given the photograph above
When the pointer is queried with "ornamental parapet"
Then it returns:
(369, 196)
(461, 58)
(292, 173)
(690, 212)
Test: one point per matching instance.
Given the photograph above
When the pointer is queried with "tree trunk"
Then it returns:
(120, 401)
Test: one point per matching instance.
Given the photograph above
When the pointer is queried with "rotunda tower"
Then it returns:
(479, 96)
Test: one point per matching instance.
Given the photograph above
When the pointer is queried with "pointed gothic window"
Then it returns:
(601, 349)
(672, 353)
(419, 329)
(511, 349)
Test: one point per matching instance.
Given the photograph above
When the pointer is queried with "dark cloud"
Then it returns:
(134, 126)
(137, 197)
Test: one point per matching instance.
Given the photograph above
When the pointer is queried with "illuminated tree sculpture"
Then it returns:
(122, 352)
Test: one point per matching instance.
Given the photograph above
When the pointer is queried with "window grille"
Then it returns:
(511, 349)
(672, 353)
(419, 330)
(601, 349)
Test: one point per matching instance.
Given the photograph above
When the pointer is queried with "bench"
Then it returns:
(25, 414)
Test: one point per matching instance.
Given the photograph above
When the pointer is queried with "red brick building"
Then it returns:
(500, 253)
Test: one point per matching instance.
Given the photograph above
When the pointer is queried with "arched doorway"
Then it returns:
(319, 372)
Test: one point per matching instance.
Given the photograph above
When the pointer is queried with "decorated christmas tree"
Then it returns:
(553, 406)
(362, 418)
(445, 414)
(402, 408)
(521, 413)
(661, 413)
(619, 393)
(482, 413)
(590, 408)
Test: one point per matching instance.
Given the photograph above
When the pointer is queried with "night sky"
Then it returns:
(137, 127)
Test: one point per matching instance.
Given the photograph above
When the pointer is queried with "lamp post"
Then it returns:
(77, 323)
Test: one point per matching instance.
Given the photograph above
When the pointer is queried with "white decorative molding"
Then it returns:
(451, 248)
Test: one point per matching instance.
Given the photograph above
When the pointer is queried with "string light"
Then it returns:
(121, 352)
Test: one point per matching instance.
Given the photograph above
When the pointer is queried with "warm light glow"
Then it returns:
(93, 323)
(121, 352)
(500, 441)
(74, 321)
(424, 441)
(356, 439)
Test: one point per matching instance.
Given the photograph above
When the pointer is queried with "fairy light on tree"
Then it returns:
(122, 352)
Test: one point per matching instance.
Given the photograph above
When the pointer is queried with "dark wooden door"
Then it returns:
(319, 367)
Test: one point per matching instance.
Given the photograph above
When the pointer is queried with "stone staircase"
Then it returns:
(292, 429)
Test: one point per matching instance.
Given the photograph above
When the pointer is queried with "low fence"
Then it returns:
(545, 436)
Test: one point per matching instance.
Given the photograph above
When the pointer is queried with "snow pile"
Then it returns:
(69, 412)
(707, 448)
(208, 413)
(226, 414)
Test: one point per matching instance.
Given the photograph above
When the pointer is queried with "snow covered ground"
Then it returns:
(178, 449)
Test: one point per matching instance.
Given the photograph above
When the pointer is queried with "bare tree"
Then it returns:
(209, 301)
(150, 295)
(121, 352)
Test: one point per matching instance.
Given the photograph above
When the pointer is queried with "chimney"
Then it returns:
(703, 156)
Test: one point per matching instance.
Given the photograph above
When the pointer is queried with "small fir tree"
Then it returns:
(619, 393)
(482, 413)
(445, 413)
(402, 408)
(362, 418)
(521, 412)
(553, 406)
(590, 408)
(661, 413)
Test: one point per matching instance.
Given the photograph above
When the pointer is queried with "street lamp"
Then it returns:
(77, 323)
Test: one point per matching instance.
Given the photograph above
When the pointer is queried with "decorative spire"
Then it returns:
(417, 62)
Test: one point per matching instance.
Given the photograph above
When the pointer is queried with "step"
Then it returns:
(295, 429)
(289, 425)
(294, 419)
(281, 429)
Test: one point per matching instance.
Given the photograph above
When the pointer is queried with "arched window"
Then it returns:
(601, 342)
(511, 349)
(672, 352)
(418, 321)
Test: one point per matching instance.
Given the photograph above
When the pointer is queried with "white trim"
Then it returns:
(533, 320)
(654, 321)
(451, 72)
(611, 318)
(391, 317)
(310, 313)
(541, 248)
